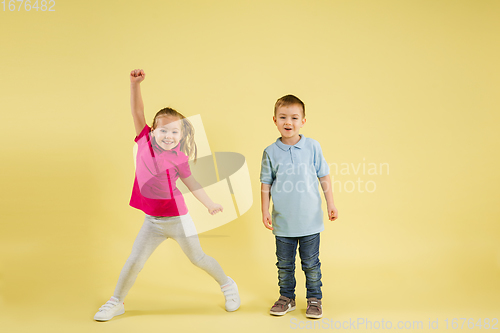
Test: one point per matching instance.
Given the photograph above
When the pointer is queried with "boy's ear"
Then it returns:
(303, 121)
(274, 119)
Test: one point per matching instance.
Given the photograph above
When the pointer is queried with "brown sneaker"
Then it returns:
(282, 306)
(314, 308)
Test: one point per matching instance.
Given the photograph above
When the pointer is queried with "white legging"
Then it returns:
(153, 232)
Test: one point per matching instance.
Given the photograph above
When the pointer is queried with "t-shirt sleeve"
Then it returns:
(322, 168)
(143, 133)
(183, 168)
(266, 170)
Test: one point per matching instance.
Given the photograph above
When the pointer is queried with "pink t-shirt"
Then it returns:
(156, 173)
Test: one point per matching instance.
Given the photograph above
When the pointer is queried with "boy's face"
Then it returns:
(289, 120)
(167, 132)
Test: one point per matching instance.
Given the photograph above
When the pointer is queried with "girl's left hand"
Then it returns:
(214, 208)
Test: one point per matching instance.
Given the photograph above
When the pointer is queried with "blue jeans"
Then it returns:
(286, 248)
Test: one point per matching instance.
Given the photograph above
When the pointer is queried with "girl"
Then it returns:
(162, 157)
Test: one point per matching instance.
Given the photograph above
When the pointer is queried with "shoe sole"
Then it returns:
(282, 313)
(106, 319)
(314, 316)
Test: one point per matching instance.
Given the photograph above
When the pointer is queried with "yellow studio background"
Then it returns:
(402, 96)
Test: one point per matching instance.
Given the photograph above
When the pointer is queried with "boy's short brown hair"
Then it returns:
(289, 100)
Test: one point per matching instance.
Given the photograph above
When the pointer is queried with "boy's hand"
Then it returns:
(137, 76)
(214, 208)
(333, 213)
(268, 222)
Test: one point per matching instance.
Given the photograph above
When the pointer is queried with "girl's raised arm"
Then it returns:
(136, 104)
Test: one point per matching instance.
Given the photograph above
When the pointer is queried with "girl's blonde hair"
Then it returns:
(187, 144)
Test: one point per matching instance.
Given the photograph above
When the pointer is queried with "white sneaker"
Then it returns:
(231, 294)
(111, 308)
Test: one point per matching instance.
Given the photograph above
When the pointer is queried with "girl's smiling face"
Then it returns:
(167, 132)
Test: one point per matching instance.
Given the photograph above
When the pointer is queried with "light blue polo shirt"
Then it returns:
(293, 172)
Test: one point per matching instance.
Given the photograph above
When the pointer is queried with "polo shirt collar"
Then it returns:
(285, 147)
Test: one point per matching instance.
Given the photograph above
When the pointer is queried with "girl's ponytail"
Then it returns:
(188, 146)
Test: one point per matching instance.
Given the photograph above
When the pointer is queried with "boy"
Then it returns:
(290, 170)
